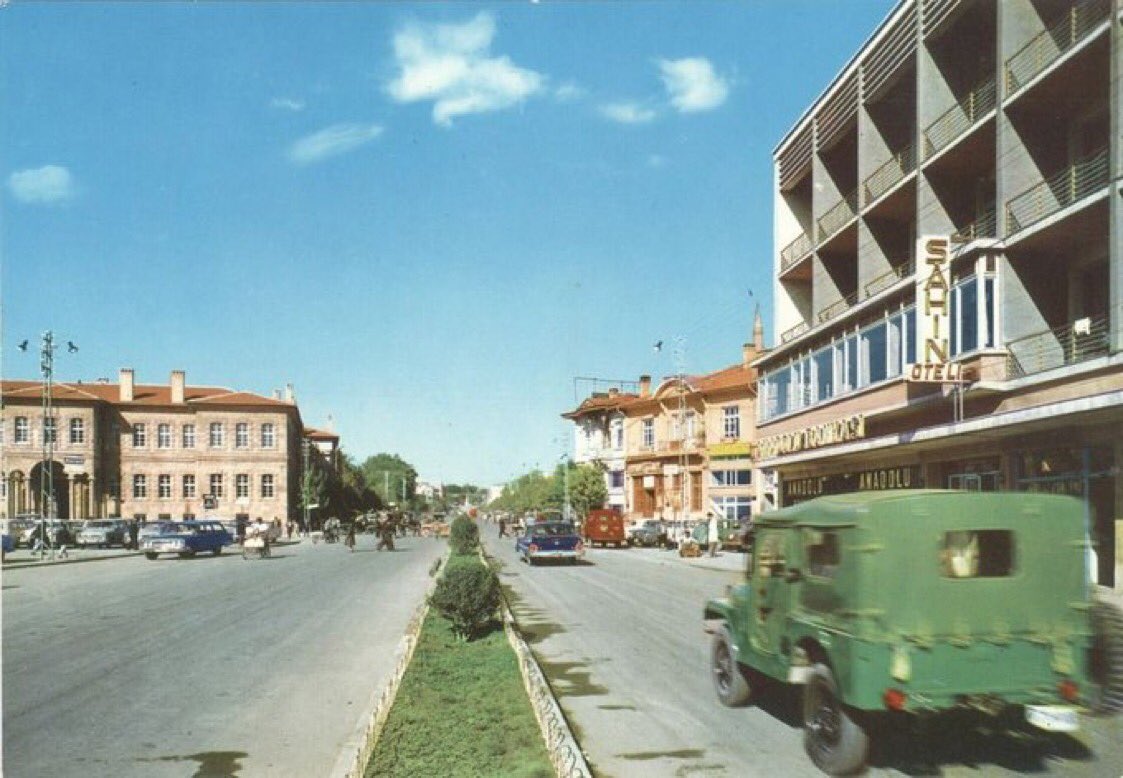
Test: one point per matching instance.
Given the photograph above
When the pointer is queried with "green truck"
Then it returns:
(880, 605)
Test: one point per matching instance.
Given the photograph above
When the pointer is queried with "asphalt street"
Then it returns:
(209, 666)
(620, 638)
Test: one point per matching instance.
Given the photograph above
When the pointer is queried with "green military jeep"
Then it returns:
(919, 602)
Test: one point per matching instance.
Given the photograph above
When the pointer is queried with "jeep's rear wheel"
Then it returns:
(834, 741)
(1106, 660)
(732, 687)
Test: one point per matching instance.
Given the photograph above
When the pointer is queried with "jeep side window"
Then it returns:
(771, 558)
(821, 548)
(985, 553)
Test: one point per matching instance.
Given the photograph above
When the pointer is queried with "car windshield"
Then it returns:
(98, 524)
(179, 529)
(551, 530)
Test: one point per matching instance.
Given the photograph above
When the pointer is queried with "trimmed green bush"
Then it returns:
(464, 536)
(468, 596)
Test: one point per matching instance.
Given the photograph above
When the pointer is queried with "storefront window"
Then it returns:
(873, 354)
(824, 373)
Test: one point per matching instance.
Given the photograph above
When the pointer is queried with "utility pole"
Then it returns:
(680, 370)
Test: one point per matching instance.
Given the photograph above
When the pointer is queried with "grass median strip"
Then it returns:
(461, 709)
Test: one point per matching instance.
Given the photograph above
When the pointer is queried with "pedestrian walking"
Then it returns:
(350, 539)
(502, 528)
(712, 532)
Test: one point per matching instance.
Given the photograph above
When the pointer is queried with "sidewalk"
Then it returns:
(23, 558)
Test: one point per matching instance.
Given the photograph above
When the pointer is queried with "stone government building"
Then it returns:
(152, 451)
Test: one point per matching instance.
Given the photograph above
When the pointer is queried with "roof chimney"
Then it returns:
(290, 396)
(179, 378)
(645, 386)
(613, 391)
(748, 351)
(126, 384)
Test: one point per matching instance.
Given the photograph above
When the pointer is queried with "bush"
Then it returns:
(464, 536)
(467, 595)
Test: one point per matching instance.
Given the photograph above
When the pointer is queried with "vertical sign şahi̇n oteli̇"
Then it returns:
(933, 306)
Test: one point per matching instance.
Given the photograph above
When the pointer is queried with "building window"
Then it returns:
(164, 487)
(268, 436)
(189, 436)
(267, 485)
(649, 433)
(731, 421)
(218, 434)
(77, 432)
(241, 435)
(140, 487)
(140, 436)
(618, 436)
(189, 486)
(189, 517)
(241, 486)
(164, 436)
(731, 477)
(50, 430)
(216, 484)
(616, 479)
(737, 508)
(23, 430)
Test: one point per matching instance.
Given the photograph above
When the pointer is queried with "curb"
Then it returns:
(359, 745)
(22, 564)
(565, 753)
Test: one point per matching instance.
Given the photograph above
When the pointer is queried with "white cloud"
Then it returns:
(287, 104)
(656, 160)
(47, 184)
(332, 141)
(627, 112)
(692, 84)
(451, 65)
(568, 92)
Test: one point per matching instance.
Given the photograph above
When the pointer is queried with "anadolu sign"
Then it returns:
(933, 322)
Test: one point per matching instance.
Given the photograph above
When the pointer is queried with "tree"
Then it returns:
(389, 475)
(587, 489)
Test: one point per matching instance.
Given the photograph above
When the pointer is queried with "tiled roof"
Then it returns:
(733, 377)
(315, 434)
(143, 394)
(601, 402)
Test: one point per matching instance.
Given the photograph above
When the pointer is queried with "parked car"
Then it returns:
(187, 538)
(103, 533)
(151, 529)
(57, 532)
(550, 540)
(731, 534)
(605, 526)
(14, 528)
(7, 544)
(884, 606)
(651, 533)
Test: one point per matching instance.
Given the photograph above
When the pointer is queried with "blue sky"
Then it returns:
(428, 217)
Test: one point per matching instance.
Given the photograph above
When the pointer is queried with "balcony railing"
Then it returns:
(959, 118)
(1082, 340)
(794, 251)
(887, 279)
(1050, 44)
(691, 443)
(1058, 191)
(895, 168)
(838, 215)
(794, 332)
(837, 307)
(986, 226)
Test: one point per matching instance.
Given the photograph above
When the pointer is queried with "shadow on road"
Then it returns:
(212, 764)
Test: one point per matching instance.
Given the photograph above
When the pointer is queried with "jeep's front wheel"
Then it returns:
(834, 741)
(1106, 660)
(732, 688)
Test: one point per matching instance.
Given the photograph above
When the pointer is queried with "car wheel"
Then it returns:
(149, 555)
(834, 741)
(186, 554)
(530, 560)
(217, 550)
(1106, 660)
(732, 687)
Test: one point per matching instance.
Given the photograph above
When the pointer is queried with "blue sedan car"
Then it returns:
(187, 538)
(550, 540)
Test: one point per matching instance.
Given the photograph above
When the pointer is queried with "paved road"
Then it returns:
(210, 666)
(621, 640)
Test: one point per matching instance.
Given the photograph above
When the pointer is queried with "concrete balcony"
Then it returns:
(1065, 187)
(838, 216)
(1070, 344)
(889, 174)
(795, 251)
(958, 119)
(1051, 44)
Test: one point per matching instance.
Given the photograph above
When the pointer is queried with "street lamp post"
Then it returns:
(305, 486)
(48, 505)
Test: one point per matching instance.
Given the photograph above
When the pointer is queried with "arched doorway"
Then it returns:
(60, 488)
